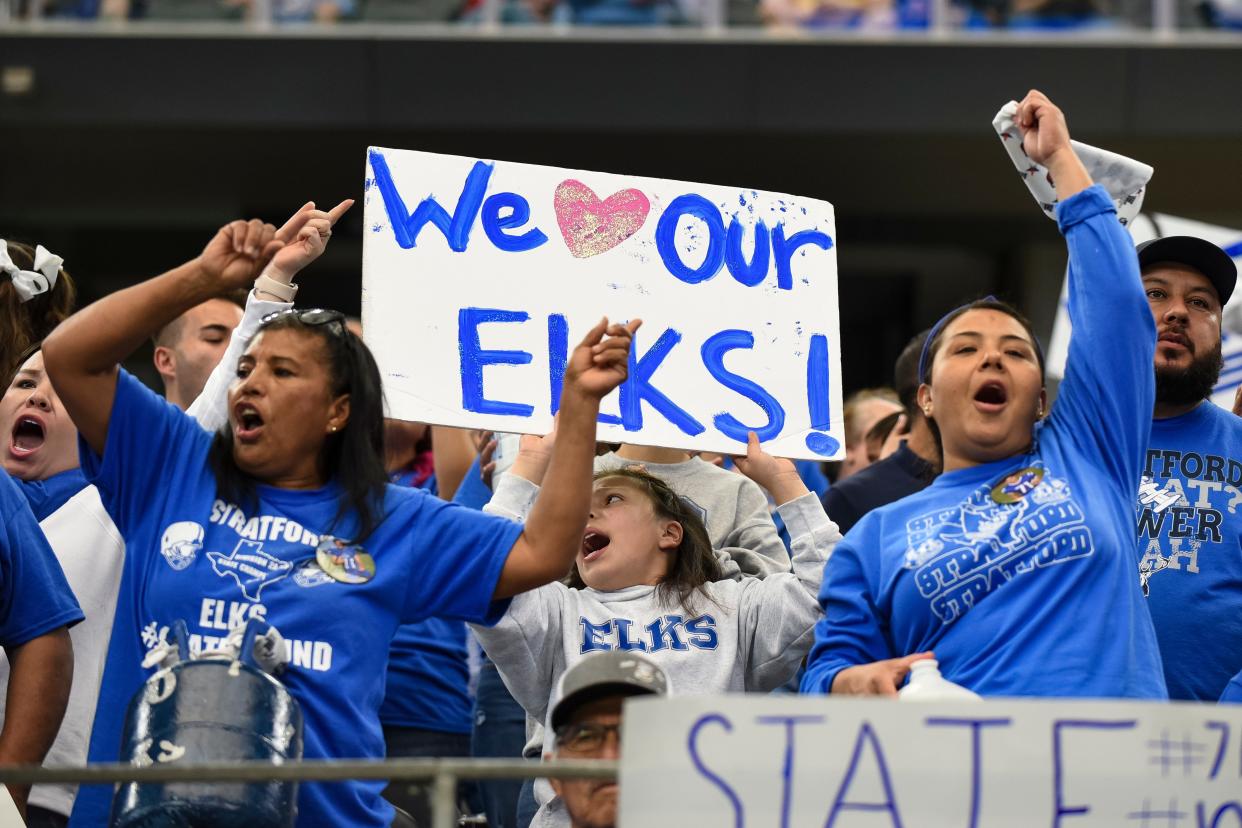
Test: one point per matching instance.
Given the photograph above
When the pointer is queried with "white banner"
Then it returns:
(817, 762)
(479, 276)
(1157, 225)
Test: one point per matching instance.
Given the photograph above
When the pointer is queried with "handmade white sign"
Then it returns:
(480, 276)
(816, 762)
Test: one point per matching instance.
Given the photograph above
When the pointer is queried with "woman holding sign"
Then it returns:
(285, 514)
(1018, 566)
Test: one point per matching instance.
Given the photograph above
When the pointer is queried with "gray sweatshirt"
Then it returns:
(750, 636)
(732, 506)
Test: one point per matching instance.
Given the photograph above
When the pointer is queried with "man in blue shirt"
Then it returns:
(1190, 529)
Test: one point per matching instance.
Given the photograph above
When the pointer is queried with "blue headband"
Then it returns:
(935, 332)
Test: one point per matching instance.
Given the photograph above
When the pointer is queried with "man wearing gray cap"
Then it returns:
(1190, 526)
(586, 721)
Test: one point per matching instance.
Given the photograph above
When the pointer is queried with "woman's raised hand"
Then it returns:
(1044, 131)
(305, 236)
(599, 364)
(1046, 140)
(237, 254)
(777, 475)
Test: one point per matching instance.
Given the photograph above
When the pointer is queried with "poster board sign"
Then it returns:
(817, 762)
(480, 276)
(1156, 225)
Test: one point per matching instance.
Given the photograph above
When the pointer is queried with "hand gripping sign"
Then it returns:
(480, 276)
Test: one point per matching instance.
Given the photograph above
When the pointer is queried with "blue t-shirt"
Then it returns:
(1190, 538)
(46, 496)
(193, 556)
(428, 677)
(1020, 573)
(35, 598)
(428, 684)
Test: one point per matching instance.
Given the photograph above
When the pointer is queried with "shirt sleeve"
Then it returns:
(1104, 404)
(753, 542)
(35, 598)
(458, 557)
(513, 499)
(211, 408)
(526, 644)
(147, 438)
(778, 614)
(850, 631)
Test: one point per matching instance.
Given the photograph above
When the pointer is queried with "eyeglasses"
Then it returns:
(587, 737)
(312, 317)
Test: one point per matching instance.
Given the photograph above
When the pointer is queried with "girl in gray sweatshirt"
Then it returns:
(647, 579)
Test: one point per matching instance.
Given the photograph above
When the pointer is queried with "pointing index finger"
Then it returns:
(339, 210)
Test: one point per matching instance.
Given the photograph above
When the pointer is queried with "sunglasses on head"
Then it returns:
(312, 317)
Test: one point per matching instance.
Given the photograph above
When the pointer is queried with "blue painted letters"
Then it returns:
(473, 358)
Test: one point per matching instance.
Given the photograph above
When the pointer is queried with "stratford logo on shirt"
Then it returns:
(1004, 530)
(250, 567)
(1183, 498)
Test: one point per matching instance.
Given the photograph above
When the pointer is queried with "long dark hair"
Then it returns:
(936, 336)
(353, 456)
(693, 563)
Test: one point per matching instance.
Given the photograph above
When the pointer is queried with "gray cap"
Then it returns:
(614, 672)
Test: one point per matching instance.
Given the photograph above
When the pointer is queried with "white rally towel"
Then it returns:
(1124, 178)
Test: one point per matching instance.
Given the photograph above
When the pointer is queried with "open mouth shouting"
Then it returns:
(991, 397)
(593, 544)
(248, 423)
(28, 436)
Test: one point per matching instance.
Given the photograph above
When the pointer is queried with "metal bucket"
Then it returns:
(210, 710)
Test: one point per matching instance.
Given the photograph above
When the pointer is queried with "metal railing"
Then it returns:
(442, 773)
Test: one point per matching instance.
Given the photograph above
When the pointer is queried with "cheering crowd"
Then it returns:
(1083, 548)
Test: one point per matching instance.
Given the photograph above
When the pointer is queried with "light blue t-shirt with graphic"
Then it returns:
(190, 555)
(1190, 538)
(1020, 574)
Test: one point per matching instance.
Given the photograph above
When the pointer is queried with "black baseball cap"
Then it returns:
(610, 673)
(1200, 254)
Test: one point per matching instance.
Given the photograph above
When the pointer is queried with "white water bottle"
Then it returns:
(926, 684)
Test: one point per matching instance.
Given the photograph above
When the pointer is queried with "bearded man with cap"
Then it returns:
(586, 722)
(1190, 528)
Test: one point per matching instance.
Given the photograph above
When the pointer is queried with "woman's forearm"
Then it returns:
(99, 336)
(553, 532)
(81, 355)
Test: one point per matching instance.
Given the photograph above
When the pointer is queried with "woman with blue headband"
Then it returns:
(1017, 567)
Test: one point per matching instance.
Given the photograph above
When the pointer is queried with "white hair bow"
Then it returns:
(30, 283)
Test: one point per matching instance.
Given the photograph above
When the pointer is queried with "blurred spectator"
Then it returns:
(1036, 14)
(1222, 14)
(301, 11)
(847, 14)
(863, 409)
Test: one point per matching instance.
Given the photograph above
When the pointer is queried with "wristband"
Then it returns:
(272, 287)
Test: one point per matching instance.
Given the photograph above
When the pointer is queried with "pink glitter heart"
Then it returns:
(591, 226)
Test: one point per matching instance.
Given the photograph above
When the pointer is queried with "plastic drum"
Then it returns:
(210, 711)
